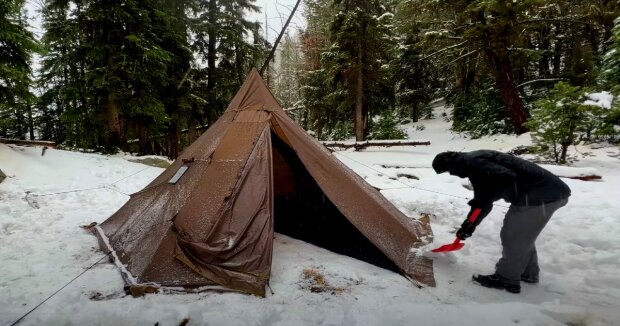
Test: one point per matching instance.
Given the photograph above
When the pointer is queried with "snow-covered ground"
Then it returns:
(42, 249)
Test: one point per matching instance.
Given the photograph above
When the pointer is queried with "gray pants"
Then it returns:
(522, 225)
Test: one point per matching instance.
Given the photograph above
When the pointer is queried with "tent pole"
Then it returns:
(275, 45)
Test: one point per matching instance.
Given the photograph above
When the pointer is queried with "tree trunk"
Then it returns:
(592, 35)
(320, 124)
(557, 53)
(114, 123)
(505, 81)
(143, 139)
(496, 45)
(111, 106)
(192, 133)
(359, 95)
(564, 151)
(173, 138)
(19, 126)
(211, 50)
(30, 120)
(543, 63)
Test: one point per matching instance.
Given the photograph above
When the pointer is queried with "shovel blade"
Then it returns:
(456, 245)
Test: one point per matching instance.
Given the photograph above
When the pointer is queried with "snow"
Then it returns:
(610, 53)
(602, 99)
(571, 172)
(43, 249)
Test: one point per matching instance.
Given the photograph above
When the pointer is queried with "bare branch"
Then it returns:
(444, 50)
(540, 80)
(462, 57)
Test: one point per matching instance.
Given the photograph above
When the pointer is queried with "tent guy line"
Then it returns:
(107, 186)
(58, 291)
(131, 175)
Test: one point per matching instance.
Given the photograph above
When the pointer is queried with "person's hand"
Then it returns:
(466, 230)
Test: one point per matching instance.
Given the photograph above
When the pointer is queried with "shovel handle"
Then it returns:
(474, 215)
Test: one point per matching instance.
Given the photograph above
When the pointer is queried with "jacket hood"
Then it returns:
(452, 162)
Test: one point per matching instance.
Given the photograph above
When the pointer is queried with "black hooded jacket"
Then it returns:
(495, 175)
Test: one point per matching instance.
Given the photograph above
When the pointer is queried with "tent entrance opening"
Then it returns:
(304, 212)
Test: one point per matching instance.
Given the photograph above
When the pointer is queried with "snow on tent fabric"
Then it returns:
(253, 172)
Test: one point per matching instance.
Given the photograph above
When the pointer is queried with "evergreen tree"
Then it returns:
(230, 45)
(565, 118)
(287, 82)
(128, 64)
(523, 46)
(417, 83)
(316, 114)
(17, 45)
(611, 65)
(361, 45)
(63, 111)
(116, 71)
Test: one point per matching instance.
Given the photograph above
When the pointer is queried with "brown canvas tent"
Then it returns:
(207, 222)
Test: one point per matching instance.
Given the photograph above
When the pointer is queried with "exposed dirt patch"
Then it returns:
(151, 161)
(316, 281)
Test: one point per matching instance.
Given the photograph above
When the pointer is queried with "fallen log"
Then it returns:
(586, 177)
(50, 144)
(578, 173)
(368, 143)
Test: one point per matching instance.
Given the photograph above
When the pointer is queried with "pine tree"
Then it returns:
(611, 64)
(316, 113)
(523, 47)
(287, 82)
(176, 89)
(116, 71)
(230, 45)
(357, 60)
(63, 111)
(17, 45)
(564, 117)
(128, 64)
(417, 82)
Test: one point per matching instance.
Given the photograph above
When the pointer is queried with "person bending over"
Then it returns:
(534, 193)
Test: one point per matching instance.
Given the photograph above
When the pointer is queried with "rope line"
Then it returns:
(410, 186)
(107, 186)
(57, 291)
(113, 188)
(131, 175)
(63, 192)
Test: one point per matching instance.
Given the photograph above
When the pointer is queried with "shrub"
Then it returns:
(562, 119)
(386, 127)
(341, 131)
(480, 113)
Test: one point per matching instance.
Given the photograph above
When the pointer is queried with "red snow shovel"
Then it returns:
(457, 244)
(454, 246)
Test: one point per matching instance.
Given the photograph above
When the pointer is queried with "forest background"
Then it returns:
(149, 76)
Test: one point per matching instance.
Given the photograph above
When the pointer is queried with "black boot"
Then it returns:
(496, 281)
(529, 279)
